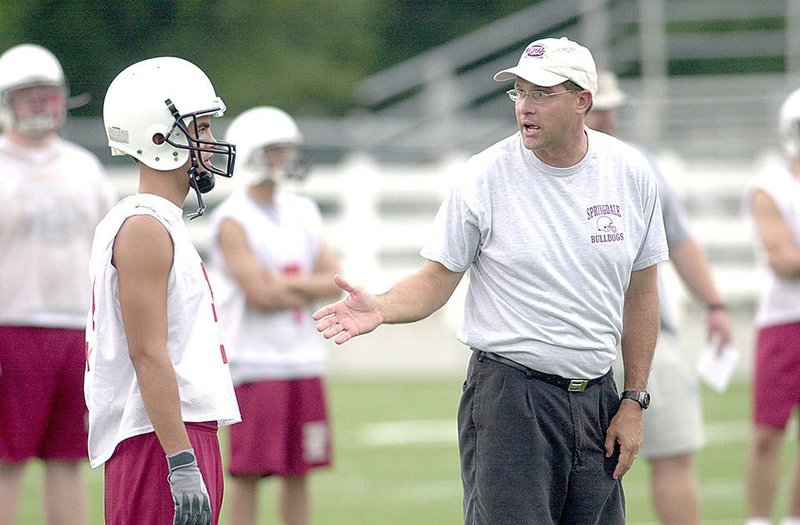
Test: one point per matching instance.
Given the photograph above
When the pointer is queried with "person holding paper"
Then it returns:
(673, 426)
(772, 205)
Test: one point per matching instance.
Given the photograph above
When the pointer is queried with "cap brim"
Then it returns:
(535, 76)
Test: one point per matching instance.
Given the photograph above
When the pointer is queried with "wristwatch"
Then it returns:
(640, 396)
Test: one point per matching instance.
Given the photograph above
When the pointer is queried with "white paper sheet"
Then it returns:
(716, 367)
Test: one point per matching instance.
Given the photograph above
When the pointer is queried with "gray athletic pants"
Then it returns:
(533, 453)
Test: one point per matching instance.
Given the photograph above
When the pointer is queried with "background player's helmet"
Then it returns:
(257, 130)
(28, 66)
(609, 95)
(149, 110)
(789, 125)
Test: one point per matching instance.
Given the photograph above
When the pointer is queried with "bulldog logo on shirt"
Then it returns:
(605, 229)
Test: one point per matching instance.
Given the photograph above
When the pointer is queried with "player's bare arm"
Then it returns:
(783, 254)
(265, 289)
(319, 283)
(413, 298)
(143, 254)
(640, 324)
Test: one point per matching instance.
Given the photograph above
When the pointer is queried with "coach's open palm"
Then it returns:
(356, 314)
(189, 493)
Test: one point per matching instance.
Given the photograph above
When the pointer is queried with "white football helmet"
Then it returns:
(25, 66)
(257, 130)
(609, 95)
(149, 112)
(789, 125)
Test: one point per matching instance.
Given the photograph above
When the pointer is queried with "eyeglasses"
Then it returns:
(537, 97)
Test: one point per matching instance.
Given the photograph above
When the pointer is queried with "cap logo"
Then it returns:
(535, 50)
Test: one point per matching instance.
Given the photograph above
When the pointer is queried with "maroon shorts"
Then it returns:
(136, 486)
(284, 429)
(776, 389)
(42, 409)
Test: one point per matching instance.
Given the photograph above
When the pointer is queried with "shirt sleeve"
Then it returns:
(654, 248)
(455, 236)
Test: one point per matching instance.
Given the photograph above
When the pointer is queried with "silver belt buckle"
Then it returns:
(577, 385)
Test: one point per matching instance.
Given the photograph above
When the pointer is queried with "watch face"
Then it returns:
(644, 398)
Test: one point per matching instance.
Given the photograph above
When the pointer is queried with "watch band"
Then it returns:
(640, 396)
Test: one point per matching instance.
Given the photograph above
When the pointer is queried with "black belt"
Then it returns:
(570, 385)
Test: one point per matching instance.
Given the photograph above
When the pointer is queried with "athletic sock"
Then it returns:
(790, 520)
(758, 521)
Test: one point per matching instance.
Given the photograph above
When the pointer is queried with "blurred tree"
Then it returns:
(304, 56)
(410, 27)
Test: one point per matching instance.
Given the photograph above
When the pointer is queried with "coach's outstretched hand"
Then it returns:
(357, 314)
(189, 493)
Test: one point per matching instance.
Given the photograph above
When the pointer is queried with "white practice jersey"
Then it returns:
(116, 408)
(550, 251)
(51, 199)
(778, 297)
(270, 344)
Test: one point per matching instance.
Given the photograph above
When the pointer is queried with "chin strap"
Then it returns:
(201, 182)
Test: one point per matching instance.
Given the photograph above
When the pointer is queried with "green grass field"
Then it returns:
(396, 459)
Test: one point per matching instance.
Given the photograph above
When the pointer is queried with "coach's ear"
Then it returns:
(584, 101)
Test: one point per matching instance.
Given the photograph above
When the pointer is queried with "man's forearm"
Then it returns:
(692, 267)
(640, 324)
(419, 295)
(314, 287)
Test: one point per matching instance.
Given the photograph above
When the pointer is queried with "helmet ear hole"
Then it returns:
(159, 139)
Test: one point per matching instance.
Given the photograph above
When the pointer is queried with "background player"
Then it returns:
(53, 195)
(268, 244)
(772, 203)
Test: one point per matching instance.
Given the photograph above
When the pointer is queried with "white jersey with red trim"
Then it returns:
(51, 200)
(778, 296)
(116, 408)
(285, 238)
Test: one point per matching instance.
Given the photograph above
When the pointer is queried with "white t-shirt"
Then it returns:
(269, 344)
(550, 251)
(116, 408)
(51, 199)
(778, 297)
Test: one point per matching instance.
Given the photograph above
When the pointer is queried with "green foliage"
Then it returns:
(413, 26)
(304, 56)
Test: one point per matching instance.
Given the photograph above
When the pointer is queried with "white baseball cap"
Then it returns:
(551, 61)
(609, 95)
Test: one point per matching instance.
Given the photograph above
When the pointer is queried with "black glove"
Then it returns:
(189, 493)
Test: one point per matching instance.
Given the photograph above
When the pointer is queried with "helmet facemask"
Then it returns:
(278, 163)
(35, 111)
(201, 171)
(790, 135)
(33, 91)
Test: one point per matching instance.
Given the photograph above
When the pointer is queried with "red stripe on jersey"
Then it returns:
(93, 304)
(208, 282)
